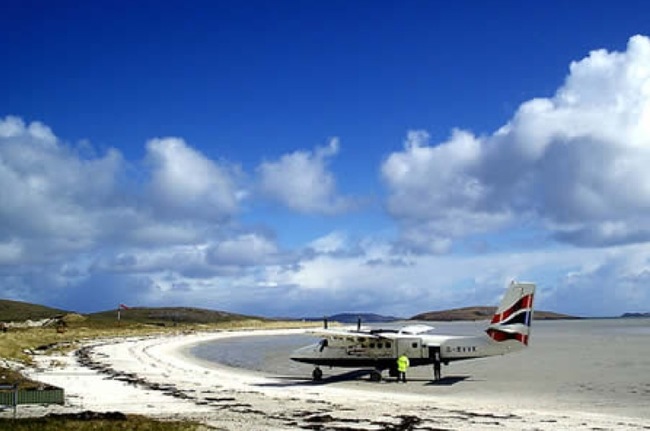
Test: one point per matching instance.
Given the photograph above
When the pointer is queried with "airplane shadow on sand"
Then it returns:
(447, 381)
(289, 381)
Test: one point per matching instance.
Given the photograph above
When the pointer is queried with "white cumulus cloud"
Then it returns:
(244, 250)
(302, 182)
(575, 162)
(50, 196)
(62, 206)
(185, 181)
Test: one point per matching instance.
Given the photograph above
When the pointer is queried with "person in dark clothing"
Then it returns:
(436, 366)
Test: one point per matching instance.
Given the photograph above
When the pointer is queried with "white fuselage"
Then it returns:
(358, 350)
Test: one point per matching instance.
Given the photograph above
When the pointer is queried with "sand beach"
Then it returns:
(156, 376)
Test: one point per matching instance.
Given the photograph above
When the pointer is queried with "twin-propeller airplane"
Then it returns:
(379, 349)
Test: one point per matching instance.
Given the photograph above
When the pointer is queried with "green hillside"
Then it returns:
(168, 315)
(481, 313)
(20, 311)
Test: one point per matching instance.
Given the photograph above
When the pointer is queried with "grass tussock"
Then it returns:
(130, 423)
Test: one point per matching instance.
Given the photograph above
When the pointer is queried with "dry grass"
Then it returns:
(130, 423)
(19, 344)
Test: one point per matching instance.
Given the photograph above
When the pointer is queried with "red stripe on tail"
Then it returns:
(525, 302)
(499, 336)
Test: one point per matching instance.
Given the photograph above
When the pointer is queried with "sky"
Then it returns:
(304, 158)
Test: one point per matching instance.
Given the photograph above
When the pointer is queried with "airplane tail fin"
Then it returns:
(514, 315)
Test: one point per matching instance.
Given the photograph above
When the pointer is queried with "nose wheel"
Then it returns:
(317, 374)
(375, 376)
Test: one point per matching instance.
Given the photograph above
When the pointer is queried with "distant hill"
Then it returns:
(481, 313)
(635, 315)
(365, 317)
(169, 315)
(353, 317)
(11, 311)
(16, 311)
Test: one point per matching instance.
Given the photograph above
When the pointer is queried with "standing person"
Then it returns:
(402, 365)
(436, 366)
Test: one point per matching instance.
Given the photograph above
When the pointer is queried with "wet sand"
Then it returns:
(155, 376)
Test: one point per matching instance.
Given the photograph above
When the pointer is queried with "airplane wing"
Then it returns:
(394, 335)
(390, 334)
(415, 329)
(404, 332)
(342, 333)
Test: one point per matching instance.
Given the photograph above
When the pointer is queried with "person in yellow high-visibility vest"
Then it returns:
(402, 365)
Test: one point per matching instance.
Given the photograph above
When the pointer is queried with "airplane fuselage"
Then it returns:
(358, 351)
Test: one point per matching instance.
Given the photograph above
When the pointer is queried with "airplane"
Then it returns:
(508, 331)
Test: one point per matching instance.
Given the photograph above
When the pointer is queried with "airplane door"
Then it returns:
(411, 347)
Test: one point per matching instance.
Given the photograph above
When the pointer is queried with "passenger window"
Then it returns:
(380, 346)
(414, 345)
(372, 345)
(388, 345)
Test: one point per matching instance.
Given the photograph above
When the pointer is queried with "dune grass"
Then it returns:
(20, 343)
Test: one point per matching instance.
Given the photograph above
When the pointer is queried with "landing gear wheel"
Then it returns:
(317, 375)
(375, 376)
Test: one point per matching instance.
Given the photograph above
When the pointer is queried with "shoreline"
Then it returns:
(156, 376)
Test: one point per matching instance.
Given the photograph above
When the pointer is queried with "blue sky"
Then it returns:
(306, 158)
